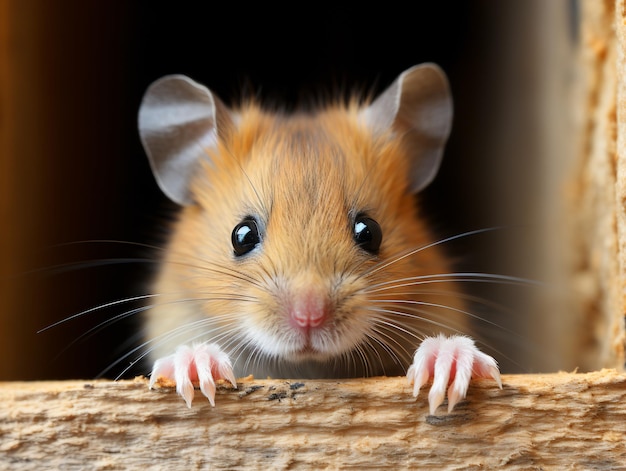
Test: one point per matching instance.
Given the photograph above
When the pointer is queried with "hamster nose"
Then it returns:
(309, 309)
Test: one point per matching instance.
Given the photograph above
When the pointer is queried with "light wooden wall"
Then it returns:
(595, 194)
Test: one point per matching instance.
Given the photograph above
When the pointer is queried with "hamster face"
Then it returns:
(304, 252)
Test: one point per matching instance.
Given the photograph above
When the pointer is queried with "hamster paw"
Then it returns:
(201, 363)
(451, 362)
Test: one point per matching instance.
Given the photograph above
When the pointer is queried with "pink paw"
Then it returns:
(202, 364)
(449, 361)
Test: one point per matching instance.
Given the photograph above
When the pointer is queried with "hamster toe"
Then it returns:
(451, 362)
(200, 364)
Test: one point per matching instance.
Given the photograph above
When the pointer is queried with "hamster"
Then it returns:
(300, 250)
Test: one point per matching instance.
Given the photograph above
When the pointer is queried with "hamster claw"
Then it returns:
(201, 363)
(451, 362)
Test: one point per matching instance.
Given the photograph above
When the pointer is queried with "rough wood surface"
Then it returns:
(618, 326)
(558, 421)
(596, 211)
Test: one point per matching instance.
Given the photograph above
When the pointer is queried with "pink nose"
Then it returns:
(309, 309)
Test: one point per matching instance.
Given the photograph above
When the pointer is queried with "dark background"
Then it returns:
(92, 62)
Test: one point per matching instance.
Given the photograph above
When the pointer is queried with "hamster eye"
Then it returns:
(367, 234)
(245, 236)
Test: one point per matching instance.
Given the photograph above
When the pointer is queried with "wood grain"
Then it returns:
(597, 221)
(574, 421)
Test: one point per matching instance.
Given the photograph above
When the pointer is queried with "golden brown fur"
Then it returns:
(304, 177)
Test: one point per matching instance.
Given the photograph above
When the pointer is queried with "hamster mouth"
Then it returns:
(307, 346)
(308, 353)
(296, 343)
(315, 347)
(308, 350)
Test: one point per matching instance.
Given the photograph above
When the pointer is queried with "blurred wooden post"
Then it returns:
(596, 210)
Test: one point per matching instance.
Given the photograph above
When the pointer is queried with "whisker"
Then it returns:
(108, 241)
(386, 345)
(498, 307)
(234, 274)
(362, 356)
(101, 307)
(393, 327)
(254, 355)
(432, 244)
(236, 343)
(375, 351)
(386, 310)
(66, 267)
(98, 308)
(165, 338)
(450, 308)
(62, 268)
(173, 258)
(450, 278)
(100, 326)
(132, 312)
(450, 328)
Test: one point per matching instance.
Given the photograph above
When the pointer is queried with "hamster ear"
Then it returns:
(418, 106)
(178, 121)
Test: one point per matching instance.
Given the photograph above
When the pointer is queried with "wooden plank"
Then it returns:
(595, 212)
(550, 421)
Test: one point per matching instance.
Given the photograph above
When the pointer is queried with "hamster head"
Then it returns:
(299, 247)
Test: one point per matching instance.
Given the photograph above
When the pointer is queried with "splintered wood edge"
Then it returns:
(535, 420)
